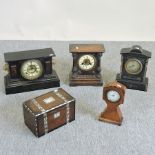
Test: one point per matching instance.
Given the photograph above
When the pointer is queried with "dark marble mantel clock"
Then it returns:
(29, 70)
(86, 68)
(134, 67)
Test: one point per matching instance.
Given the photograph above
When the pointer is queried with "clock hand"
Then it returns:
(131, 66)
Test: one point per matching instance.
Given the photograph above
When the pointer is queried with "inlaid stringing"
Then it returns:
(67, 105)
(44, 114)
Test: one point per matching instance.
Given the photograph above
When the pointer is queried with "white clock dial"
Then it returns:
(87, 62)
(133, 66)
(31, 69)
(113, 96)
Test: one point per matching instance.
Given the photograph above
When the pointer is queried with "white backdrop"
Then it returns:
(77, 20)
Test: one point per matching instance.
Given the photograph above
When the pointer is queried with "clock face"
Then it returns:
(31, 69)
(133, 66)
(87, 62)
(113, 96)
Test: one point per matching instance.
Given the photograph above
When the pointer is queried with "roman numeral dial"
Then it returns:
(31, 69)
(87, 62)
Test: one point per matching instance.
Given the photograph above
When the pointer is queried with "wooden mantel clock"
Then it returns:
(134, 67)
(86, 68)
(29, 70)
(113, 94)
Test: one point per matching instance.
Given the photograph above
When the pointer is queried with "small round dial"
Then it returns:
(113, 96)
(133, 66)
(31, 69)
(87, 62)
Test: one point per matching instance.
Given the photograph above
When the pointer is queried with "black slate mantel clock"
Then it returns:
(86, 68)
(134, 67)
(29, 70)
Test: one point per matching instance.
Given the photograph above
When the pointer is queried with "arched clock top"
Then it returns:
(137, 51)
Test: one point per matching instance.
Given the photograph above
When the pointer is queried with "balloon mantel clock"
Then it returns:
(113, 94)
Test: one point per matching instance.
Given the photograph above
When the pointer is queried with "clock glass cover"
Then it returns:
(113, 96)
(87, 62)
(31, 69)
(133, 66)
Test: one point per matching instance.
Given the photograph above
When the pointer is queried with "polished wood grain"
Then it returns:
(112, 113)
(81, 77)
(34, 117)
(86, 48)
(86, 80)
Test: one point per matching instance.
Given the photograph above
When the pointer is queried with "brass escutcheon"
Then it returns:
(6, 67)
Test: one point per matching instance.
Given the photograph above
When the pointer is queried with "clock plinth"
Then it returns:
(16, 86)
(85, 80)
(132, 84)
(112, 116)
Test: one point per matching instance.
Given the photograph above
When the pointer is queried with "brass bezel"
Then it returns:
(133, 59)
(90, 68)
(40, 65)
(115, 91)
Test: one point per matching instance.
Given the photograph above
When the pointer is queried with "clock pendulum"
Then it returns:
(113, 94)
(86, 68)
(134, 67)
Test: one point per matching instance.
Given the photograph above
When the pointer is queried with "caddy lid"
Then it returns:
(48, 101)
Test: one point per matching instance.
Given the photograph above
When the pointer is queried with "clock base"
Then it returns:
(131, 84)
(111, 121)
(112, 116)
(18, 86)
(85, 80)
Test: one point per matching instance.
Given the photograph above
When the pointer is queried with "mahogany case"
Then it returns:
(79, 77)
(49, 111)
(112, 113)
